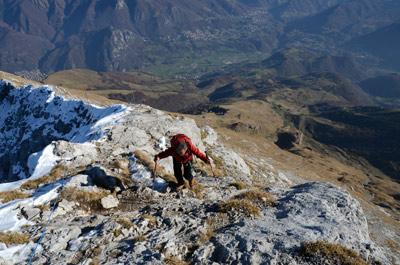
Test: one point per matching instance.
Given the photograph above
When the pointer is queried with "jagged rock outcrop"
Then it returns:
(305, 213)
(31, 119)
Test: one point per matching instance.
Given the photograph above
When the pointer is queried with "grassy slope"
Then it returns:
(137, 87)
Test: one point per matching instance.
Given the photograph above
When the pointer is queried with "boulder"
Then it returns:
(306, 213)
(30, 212)
(109, 202)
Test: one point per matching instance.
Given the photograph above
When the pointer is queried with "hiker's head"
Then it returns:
(181, 148)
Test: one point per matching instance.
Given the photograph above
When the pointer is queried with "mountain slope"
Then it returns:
(107, 204)
(33, 118)
(176, 38)
(382, 43)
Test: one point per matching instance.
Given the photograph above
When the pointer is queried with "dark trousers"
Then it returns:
(187, 171)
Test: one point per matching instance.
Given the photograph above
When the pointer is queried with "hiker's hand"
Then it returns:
(156, 158)
(208, 162)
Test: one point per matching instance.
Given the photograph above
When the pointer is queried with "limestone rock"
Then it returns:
(109, 202)
(30, 212)
(308, 212)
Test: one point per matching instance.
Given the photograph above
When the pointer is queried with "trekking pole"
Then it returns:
(154, 175)
(212, 169)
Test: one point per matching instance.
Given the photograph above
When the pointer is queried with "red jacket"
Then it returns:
(191, 149)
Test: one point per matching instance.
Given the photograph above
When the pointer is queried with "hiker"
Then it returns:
(182, 151)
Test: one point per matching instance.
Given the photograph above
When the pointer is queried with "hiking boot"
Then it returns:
(179, 188)
(191, 183)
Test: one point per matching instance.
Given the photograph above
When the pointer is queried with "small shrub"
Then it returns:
(97, 252)
(125, 223)
(9, 238)
(122, 164)
(115, 254)
(139, 239)
(210, 232)
(203, 134)
(174, 261)
(257, 196)
(95, 261)
(8, 196)
(117, 232)
(239, 185)
(197, 189)
(151, 219)
(334, 252)
(245, 205)
(42, 207)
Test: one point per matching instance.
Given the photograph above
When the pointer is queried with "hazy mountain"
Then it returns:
(383, 43)
(176, 37)
(350, 19)
(299, 62)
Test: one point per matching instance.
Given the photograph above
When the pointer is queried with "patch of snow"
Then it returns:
(40, 116)
(161, 144)
(81, 242)
(11, 185)
(143, 177)
(41, 163)
(17, 253)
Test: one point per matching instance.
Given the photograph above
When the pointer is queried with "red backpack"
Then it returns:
(180, 138)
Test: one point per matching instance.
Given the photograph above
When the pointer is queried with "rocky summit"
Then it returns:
(109, 211)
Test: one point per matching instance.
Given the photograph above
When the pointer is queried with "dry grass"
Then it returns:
(210, 232)
(170, 260)
(239, 185)
(122, 166)
(117, 232)
(393, 245)
(125, 223)
(169, 178)
(8, 196)
(13, 238)
(42, 207)
(151, 219)
(145, 160)
(55, 174)
(95, 261)
(97, 251)
(257, 196)
(335, 252)
(115, 254)
(89, 201)
(139, 239)
(73, 194)
(247, 206)
(197, 190)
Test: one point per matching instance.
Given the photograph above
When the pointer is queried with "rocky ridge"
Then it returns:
(132, 224)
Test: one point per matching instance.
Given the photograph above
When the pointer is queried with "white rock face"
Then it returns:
(306, 213)
(30, 119)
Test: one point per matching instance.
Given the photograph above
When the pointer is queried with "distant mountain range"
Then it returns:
(177, 38)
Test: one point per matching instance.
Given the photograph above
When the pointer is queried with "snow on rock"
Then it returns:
(16, 254)
(30, 119)
(42, 162)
